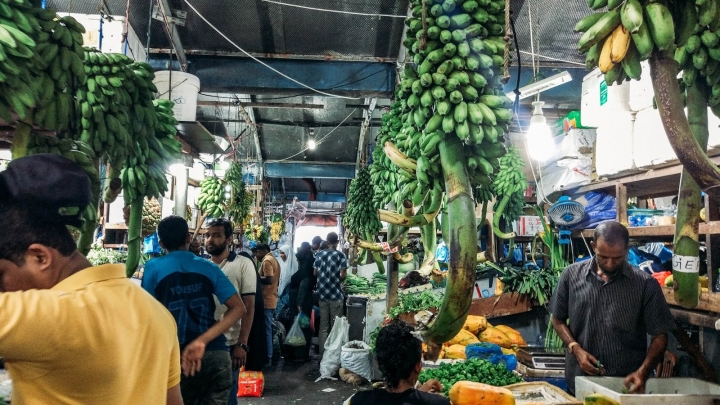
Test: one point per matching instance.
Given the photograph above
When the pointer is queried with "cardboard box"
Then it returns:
(527, 225)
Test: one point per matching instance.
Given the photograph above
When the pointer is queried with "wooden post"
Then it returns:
(621, 203)
(392, 284)
(712, 243)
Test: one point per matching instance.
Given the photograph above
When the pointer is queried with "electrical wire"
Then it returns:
(334, 11)
(261, 62)
(318, 142)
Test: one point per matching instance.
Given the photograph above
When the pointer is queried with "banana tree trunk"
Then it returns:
(21, 139)
(461, 243)
(687, 242)
(663, 71)
(134, 236)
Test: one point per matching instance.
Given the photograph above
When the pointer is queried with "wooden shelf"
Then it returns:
(501, 305)
(708, 301)
(654, 231)
(116, 226)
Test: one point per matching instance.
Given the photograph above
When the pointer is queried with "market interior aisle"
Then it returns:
(294, 383)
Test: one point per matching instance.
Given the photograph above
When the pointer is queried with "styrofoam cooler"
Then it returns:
(593, 113)
(658, 391)
(614, 144)
(713, 130)
(185, 88)
(641, 91)
(651, 144)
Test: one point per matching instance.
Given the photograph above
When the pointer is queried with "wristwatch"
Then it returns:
(244, 347)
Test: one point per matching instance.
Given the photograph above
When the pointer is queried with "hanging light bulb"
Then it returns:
(311, 141)
(539, 139)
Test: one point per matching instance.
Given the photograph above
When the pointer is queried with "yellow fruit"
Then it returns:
(599, 399)
(475, 324)
(472, 393)
(514, 336)
(462, 338)
(494, 335)
(669, 281)
(604, 62)
(620, 44)
(455, 352)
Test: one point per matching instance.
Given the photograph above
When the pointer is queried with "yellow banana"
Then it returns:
(604, 62)
(620, 43)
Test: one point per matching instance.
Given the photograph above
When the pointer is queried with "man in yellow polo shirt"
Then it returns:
(71, 333)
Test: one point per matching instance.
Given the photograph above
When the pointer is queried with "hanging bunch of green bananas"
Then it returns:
(699, 55)
(510, 184)
(102, 106)
(19, 31)
(383, 172)
(361, 216)
(151, 216)
(212, 197)
(59, 69)
(239, 207)
(76, 151)
(454, 91)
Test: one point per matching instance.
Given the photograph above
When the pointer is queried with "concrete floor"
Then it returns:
(294, 383)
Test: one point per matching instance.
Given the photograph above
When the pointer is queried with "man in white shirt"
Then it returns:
(241, 272)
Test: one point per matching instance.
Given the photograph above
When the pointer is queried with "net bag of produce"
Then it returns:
(355, 357)
(492, 353)
(295, 337)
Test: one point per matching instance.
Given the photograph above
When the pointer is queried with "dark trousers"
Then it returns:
(211, 385)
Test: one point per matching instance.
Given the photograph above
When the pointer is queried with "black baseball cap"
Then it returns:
(53, 186)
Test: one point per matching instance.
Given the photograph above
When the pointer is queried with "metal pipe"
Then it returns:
(181, 191)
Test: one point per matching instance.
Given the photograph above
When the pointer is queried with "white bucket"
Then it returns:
(185, 88)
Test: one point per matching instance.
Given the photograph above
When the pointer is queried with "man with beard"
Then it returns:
(612, 307)
(241, 273)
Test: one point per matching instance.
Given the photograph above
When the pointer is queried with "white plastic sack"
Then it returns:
(357, 360)
(330, 363)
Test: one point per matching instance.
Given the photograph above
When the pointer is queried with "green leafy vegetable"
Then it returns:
(475, 370)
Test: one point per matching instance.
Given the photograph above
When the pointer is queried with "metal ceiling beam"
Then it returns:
(242, 75)
(325, 57)
(313, 170)
(299, 124)
(263, 105)
(173, 34)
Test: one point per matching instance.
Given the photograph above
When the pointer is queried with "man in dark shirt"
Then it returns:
(330, 270)
(186, 284)
(399, 359)
(612, 307)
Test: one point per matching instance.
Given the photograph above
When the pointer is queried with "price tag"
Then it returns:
(686, 264)
(386, 247)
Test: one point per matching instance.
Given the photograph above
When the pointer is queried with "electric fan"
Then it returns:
(565, 213)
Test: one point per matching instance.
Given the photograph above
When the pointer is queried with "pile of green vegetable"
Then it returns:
(355, 284)
(475, 370)
(98, 255)
(415, 303)
(538, 284)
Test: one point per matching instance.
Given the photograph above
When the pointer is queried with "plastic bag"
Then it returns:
(250, 384)
(442, 254)
(600, 207)
(295, 337)
(330, 363)
(355, 357)
(492, 353)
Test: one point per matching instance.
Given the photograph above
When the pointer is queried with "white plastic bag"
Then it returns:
(295, 337)
(355, 357)
(330, 363)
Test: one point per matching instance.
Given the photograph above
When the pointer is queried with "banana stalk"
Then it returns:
(399, 158)
(87, 232)
(376, 256)
(21, 139)
(428, 234)
(687, 292)
(405, 221)
(663, 71)
(496, 219)
(403, 259)
(461, 243)
(134, 237)
(112, 187)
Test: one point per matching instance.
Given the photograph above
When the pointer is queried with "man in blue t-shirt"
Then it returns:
(185, 284)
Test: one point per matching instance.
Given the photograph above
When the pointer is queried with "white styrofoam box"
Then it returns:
(572, 144)
(650, 143)
(563, 175)
(599, 100)
(641, 91)
(614, 146)
(658, 391)
(713, 130)
(527, 225)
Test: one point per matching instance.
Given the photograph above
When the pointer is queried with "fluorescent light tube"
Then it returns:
(542, 85)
